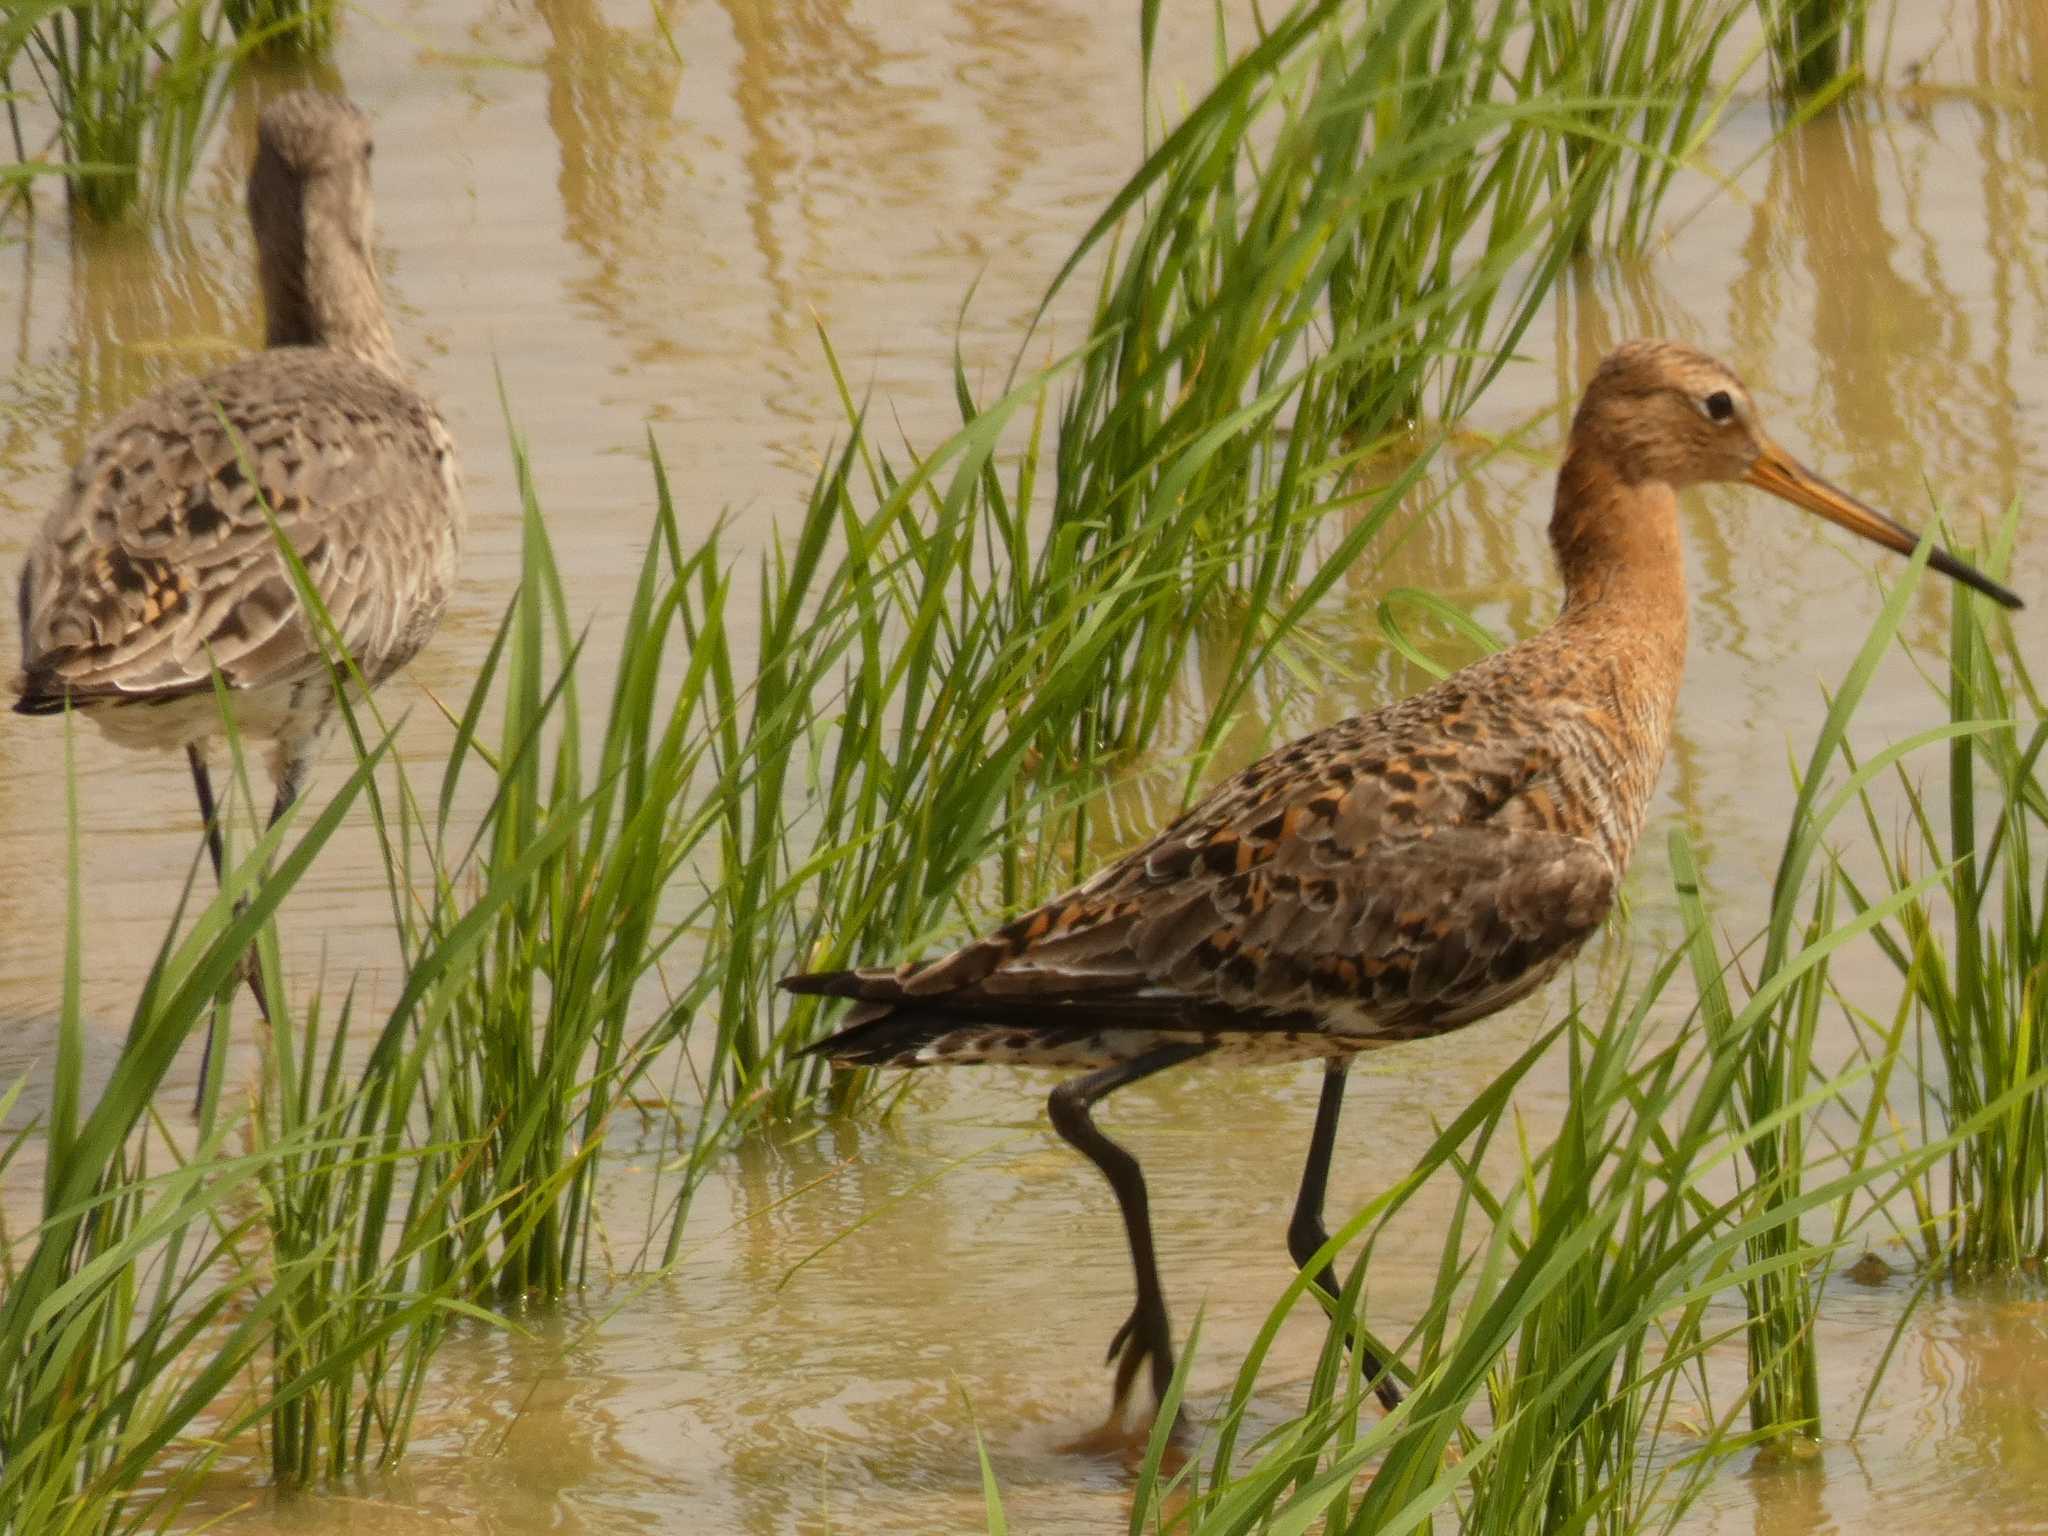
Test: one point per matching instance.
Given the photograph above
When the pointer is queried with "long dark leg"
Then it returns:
(294, 762)
(292, 765)
(1145, 1334)
(291, 777)
(1306, 1233)
(209, 816)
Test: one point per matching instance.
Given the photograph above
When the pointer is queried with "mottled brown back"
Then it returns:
(1394, 875)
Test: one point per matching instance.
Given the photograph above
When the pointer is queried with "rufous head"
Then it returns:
(1664, 412)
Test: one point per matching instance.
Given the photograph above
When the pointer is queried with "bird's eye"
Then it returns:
(1719, 406)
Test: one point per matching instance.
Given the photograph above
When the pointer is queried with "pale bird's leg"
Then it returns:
(1306, 1233)
(1145, 1333)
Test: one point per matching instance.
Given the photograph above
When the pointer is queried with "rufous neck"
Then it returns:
(1623, 624)
(1616, 543)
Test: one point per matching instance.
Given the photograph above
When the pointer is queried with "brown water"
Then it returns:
(638, 239)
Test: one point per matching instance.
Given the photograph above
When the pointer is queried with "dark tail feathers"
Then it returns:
(866, 986)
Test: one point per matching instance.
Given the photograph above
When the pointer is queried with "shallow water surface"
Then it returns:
(638, 240)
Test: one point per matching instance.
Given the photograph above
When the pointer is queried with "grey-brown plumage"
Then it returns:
(158, 566)
(1396, 875)
(157, 563)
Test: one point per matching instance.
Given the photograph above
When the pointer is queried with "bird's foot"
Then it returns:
(1128, 1441)
(1143, 1337)
(1388, 1391)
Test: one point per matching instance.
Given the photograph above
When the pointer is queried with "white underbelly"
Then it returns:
(286, 711)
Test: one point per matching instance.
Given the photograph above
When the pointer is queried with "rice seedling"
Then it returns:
(1973, 952)
(1607, 100)
(1772, 1034)
(1643, 76)
(133, 85)
(1774, 1050)
(283, 29)
(129, 1310)
(517, 1038)
(1369, 205)
(1816, 46)
(1573, 1320)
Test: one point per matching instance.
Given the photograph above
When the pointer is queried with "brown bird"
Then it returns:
(158, 567)
(1397, 875)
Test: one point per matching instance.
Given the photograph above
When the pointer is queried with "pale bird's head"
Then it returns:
(311, 175)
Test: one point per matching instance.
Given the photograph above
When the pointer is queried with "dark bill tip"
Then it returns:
(1961, 570)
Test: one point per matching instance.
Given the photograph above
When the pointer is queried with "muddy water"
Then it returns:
(637, 238)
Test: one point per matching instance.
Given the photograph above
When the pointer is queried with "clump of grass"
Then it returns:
(1360, 219)
(1578, 115)
(134, 86)
(135, 1308)
(362, 1248)
(1973, 951)
(284, 29)
(1816, 46)
(1565, 1353)
(1771, 1037)
(519, 1029)
(1641, 75)
(1771, 1049)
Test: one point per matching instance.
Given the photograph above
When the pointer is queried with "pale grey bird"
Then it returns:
(157, 565)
